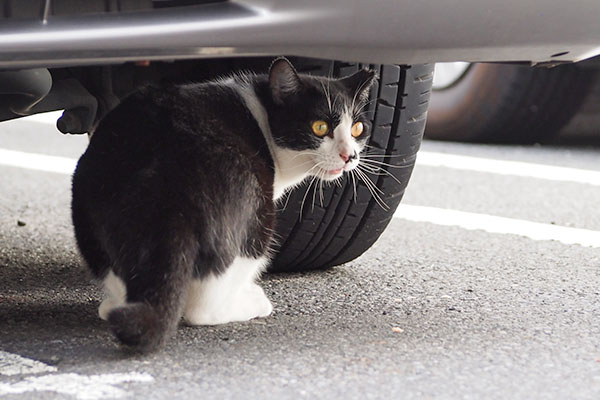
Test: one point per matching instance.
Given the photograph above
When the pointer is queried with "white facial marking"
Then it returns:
(336, 155)
(342, 136)
(231, 296)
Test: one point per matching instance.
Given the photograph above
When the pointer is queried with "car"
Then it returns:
(85, 56)
(507, 103)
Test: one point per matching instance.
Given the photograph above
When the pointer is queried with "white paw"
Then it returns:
(106, 306)
(250, 302)
(115, 295)
(256, 302)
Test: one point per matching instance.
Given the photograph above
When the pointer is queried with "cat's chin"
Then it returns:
(332, 174)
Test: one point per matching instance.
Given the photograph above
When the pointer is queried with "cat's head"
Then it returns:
(319, 121)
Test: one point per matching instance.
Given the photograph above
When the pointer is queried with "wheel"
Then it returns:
(345, 225)
(507, 103)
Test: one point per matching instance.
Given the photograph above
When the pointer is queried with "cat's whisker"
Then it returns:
(373, 185)
(360, 108)
(379, 172)
(371, 146)
(315, 191)
(378, 163)
(369, 168)
(373, 155)
(335, 99)
(320, 173)
(287, 199)
(353, 183)
(327, 95)
(362, 113)
(379, 152)
(366, 103)
(373, 189)
(321, 189)
(359, 91)
(382, 155)
(304, 197)
(374, 167)
(317, 165)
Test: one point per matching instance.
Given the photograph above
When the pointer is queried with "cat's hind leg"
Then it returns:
(230, 296)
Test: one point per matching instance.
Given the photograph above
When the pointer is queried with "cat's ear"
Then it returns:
(360, 82)
(283, 80)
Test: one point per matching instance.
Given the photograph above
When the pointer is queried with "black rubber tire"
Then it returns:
(498, 103)
(344, 227)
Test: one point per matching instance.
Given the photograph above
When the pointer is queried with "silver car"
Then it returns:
(84, 56)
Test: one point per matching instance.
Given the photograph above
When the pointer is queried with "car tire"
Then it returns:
(501, 103)
(347, 223)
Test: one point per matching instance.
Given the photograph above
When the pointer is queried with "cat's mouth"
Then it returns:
(336, 172)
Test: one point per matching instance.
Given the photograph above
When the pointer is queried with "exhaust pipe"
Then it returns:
(21, 90)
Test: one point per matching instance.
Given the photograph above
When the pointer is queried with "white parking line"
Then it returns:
(39, 162)
(64, 165)
(493, 224)
(93, 387)
(515, 168)
(14, 364)
(488, 223)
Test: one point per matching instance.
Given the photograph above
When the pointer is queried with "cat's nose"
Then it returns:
(347, 158)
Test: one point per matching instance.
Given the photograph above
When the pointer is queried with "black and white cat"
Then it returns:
(173, 201)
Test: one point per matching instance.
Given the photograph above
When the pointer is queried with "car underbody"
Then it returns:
(83, 57)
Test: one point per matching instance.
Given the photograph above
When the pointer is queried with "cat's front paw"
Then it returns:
(258, 302)
(250, 302)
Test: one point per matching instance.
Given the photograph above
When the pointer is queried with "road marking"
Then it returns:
(494, 224)
(93, 387)
(39, 162)
(488, 223)
(14, 364)
(515, 168)
(83, 387)
(64, 165)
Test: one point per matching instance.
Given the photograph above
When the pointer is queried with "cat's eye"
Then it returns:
(320, 128)
(357, 129)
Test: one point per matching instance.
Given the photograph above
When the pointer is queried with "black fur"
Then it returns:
(176, 182)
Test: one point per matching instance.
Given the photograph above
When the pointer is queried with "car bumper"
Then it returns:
(392, 31)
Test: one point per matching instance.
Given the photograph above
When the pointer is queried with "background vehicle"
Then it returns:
(507, 103)
(85, 56)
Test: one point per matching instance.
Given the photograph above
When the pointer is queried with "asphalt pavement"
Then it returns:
(433, 311)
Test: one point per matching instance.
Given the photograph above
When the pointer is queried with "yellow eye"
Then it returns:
(320, 128)
(357, 129)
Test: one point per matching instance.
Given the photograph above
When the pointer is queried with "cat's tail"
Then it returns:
(146, 323)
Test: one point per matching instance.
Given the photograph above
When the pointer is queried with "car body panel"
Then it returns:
(377, 31)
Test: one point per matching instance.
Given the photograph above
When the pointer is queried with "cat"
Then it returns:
(173, 201)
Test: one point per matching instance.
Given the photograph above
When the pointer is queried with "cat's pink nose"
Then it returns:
(347, 157)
